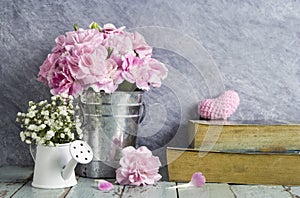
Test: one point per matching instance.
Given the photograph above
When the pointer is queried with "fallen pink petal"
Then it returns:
(198, 179)
(104, 185)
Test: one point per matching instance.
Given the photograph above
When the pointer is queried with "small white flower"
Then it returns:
(46, 118)
(49, 134)
(66, 130)
(64, 112)
(72, 136)
(27, 134)
(45, 113)
(33, 107)
(42, 140)
(33, 135)
(54, 115)
(37, 139)
(64, 95)
(51, 143)
(32, 127)
(53, 98)
(22, 135)
(62, 135)
(68, 119)
(31, 114)
(26, 121)
(42, 102)
(19, 114)
(27, 141)
(43, 126)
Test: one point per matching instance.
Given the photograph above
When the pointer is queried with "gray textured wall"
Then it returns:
(255, 45)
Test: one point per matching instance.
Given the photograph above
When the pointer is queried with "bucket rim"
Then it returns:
(117, 92)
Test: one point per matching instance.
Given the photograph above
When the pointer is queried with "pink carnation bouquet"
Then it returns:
(101, 58)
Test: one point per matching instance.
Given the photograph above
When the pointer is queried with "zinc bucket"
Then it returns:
(110, 123)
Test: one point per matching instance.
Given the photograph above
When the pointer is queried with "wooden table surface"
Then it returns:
(16, 182)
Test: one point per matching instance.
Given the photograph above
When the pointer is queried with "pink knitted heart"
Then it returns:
(221, 107)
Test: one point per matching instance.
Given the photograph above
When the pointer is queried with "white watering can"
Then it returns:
(54, 165)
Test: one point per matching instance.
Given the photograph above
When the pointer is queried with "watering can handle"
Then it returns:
(31, 152)
(142, 115)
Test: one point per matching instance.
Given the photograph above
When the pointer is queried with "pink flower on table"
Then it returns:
(138, 167)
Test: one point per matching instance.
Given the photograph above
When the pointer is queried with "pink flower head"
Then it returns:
(143, 72)
(62, 82)
(111, 29)
(138, 167)
(48, 67)
(140, 46)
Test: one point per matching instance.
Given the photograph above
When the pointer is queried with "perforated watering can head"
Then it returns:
(81, 153)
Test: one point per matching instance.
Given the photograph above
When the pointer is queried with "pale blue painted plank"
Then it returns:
(8, 189)
(294, 190)
(29, 191)
(13, 174)
(249, 191)
(209, 190)
(159, 190)
(88, 188)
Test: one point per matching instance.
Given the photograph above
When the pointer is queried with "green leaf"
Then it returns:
(75, 26)
(109, 52)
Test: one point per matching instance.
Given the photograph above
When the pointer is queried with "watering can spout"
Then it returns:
(82, 153)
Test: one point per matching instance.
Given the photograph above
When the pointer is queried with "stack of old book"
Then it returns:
(245, 152)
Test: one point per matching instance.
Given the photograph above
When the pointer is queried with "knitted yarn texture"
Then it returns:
(221, 107)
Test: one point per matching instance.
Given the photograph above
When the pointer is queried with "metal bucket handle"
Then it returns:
(83, 121)
(142, 115)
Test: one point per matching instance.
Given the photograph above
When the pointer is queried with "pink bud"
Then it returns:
(104, 185)
(198, 179)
